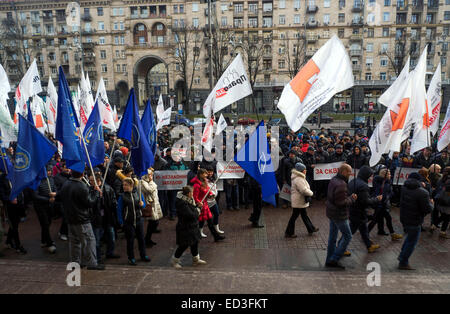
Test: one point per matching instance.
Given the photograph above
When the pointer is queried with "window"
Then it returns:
(253, 7)
(87, 27)
(282, 4)
(371, 3)
(116, 40)
(326, 19)
(281, 64)
(281, 50)
(224, 21)
(253, 22)
(341, 17)
(443, 61)
(447, 16)
(369, 62)
(101, 26)
(384, 47)
(124, 67)
(224, 7)
(54, 70)
(117, 67)
(117, 53)
(383, 62)
(296, 4)
(122, 26)
(267, 22)
(195, 22)
(326, 3)
(102, 54)
(282, 20)
(194, 7)
(101, 40)
(181, 7)
(238, 7)
(369, 47)
(99, 11)
(122, 40)
(238, 22)
(383, 76)
(385, 31)
(341, 33)
(175, 9)
(297, 19)
(386, 16)
(197, 80)
(267, 6)
(104, 81)
(387, 3)
(371, 17)
(116, 26)
(104, 68)
(368, 76)
(370, 32)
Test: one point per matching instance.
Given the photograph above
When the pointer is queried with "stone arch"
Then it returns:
(122, 92)
(144, 86)
(140, 34)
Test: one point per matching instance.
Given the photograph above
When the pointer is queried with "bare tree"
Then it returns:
(295, 51)
(222, 49)
(398, 55)
(14, 42)
(188, 42)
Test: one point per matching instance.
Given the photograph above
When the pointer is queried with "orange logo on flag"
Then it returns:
(39, 123)
(303, 81)
(398, 119)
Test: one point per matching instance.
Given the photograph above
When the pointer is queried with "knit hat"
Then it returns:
(300, 167)
(124, 150)
(414, 175)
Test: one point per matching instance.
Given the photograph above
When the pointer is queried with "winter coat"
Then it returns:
(60, 179)
(414, 203)
(337, 157)
(443, 204)
(360, 187)
(41, 196)
(383, 187)
(129, 210)
(199, 193)
(299, 190)
(338, 203)
(356, 161)
(287, 166)
(78, 201)
(150, 191)
(187, 229)
(420, 161)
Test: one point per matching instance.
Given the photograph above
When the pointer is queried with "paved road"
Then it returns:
(248, 261)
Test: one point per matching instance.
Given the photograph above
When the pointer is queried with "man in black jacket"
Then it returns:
(415, 204)
(43, 202)
(60, 179)
(358, 211)
(78, 202)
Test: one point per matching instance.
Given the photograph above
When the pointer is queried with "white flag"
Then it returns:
(29, 85)
(36, 106)
(328, 72)
(76, 101)
(160, 108)
(116, 117)
(444, 136)
(388, 97)
(106, 112)
(207, 138)
(7, 126)
(434, 94)
(232, 86)
(221, 124)
(419, 106)
(85, 102)
(90, 94)
(390, 131)
(51, 106)
(165, 120)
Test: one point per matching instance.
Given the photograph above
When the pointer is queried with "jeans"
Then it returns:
(361, 225)
(335, 253)
(172, 198)
(232, 195)
(215, 212)
(98, 232)
(132, 232)
(82, 245)
(180, 250)
(290, 229)
(110, 236)
(412, 237)
(152, 225)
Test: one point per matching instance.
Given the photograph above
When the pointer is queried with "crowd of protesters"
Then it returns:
(95, 207)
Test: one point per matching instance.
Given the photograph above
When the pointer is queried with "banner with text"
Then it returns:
(233, 171)
(328, 171)
(401, 177)
(171, 179)
(285, 192)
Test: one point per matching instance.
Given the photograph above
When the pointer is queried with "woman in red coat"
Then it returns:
(201, 188)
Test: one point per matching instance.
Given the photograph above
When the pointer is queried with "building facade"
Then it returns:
(135, 43)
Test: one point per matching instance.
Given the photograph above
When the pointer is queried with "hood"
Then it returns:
(354, 148)
(296, 173)
(196, 180)
(183, 197)
(412, 184)
(365, 173)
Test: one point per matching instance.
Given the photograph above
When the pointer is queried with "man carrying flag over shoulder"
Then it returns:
(254, 158)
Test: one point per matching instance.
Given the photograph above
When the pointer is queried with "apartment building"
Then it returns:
(131, 43)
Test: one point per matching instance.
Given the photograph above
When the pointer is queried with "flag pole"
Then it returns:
(109, 163)
(218, 177)
(89, 159)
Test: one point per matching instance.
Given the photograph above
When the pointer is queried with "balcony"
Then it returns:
(65, 62)
(417, 6)
(356, 37)
(357, 7)
(89, 59)
(357, 22)
(402, 8)
(312, 38)
(88, 45)
(356, 67)
(252, 12)
(92, 74)
(48, 18)
(355, 52)
(433, 5)
(60, 18)
(238, 12)
(311, 8)
(86, 17)
(311, 24)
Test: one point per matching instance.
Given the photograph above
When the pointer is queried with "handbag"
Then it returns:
(308, 199)
(147, 211)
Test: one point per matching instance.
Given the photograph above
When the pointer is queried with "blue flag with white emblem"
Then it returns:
(66, 128)
(32, 154)
(93, 135)
(131, 129)
(254, 158)
(149, 126)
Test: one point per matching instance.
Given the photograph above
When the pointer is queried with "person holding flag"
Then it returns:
(93, 135)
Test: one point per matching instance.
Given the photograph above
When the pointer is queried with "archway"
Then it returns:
(150, 78)
(122, 91)
(140, 34)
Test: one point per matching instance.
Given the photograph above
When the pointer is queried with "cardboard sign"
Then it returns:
(401, 177)
(233, 171)
(285, 192)
(171, 179)
(326, 171)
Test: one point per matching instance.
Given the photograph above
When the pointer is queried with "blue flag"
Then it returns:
(93, 135)
(66, 128)
(131, 129)
(149, 126)
(254, 158)
(32, 154)
(29, 114)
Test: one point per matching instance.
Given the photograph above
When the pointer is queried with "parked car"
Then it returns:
(323, 119)
(180, 119)
(357, 121)
(246, 121)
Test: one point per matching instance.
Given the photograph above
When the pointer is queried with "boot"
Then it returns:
(202, 234)
(175, 262)
(396, 236)
(444, 235)
(373, 248)
(216, 235)
(197, 261)
(216, 227)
